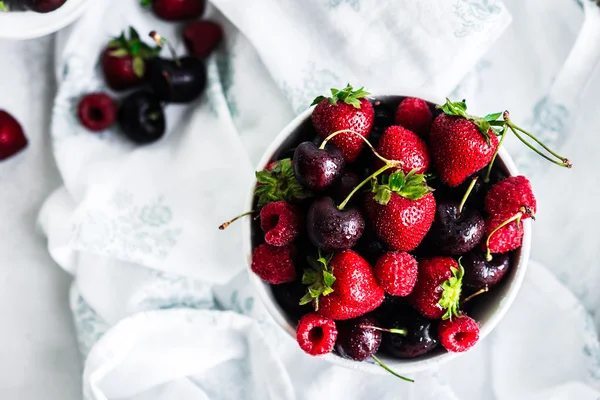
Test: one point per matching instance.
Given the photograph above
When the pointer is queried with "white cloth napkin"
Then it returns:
(136, 226)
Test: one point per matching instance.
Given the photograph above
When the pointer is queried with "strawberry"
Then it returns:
(461, 144)
(400, 144)
(176, 10)
(437, 291)
(507, 197)
(401, 210)
(202, 37)
(345, 109)
(342, 286)
(124, 61)
(414, 114)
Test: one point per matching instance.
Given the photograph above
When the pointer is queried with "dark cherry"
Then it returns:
(477, 195)
(453, 232)
(344, 185)
(141, 117)
(45, 6)
(288, 297)
(421, 334)
(480, 273)
(355, 342)
(331, 229)
(177, 81)
(316, 169)
(369, 246)
(384, 118)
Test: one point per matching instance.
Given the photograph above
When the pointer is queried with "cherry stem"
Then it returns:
(402, 332)
(504, 131)
(159, 42)
(516, 217)
(334, 134)
(477, 293)
(561, 158)
(224, 225)
(390, 164)
(467, 193)
(389, 370)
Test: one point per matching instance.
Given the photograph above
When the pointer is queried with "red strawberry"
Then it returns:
(458, 334)
(461, 144)
(396, 273)
(437, 291)
(124, 61)
(400, 144)
(507, 197)
(316, 334)
(274, 264)
(12, 138)
(345, 109)
(401, 210)
(414, 114)
(507, 238)
(202, 37)
(176, 10)
(342, 287)
(281, 223)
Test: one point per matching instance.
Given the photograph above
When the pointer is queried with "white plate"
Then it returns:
(29, 24)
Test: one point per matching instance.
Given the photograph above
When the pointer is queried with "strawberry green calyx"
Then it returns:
(320, 279)
(451, 295)
(279, 183)
(411, 186)
(459, 109)
(133, 46)
(146, 3)
(348, 95)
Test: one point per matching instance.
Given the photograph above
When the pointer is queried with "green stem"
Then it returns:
(467, 193)
(159, 42)
(563, 159)
(522, 139)
(517, 216)
(401, 331)
(226, 224)
(387, 166)
(489, 170)
(334, 134)
(389, 370)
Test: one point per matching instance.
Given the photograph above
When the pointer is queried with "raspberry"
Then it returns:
(97, 111)
(396, 273)
(316, 334)
(458, 334)
(414, 114)
(507, 238)
(281, 223)
(274, 264)
(507, 197)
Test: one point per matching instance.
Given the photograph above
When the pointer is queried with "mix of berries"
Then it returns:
(130, 64)
(400, 219)
(39, 6)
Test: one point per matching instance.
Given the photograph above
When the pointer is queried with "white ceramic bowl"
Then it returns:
(29, 24)
(488, 315)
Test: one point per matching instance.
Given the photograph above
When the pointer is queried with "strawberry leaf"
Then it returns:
(492, 117)
(146, 3)
(411, 186)
(139, 67)
(122, 46)
(459, 109)
(279, 184)
(348, 95)
(320, 279)
(450, 299)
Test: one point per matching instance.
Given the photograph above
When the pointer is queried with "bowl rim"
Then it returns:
(23, 25)
(398, 365)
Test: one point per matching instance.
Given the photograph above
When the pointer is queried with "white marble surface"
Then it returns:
(39, 353)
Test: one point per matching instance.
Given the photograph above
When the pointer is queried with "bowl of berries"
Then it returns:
(390, 233)
(27, 19)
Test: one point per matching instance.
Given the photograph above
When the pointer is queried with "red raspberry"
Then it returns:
(459, 333)
(274, 264)
(316, 334)
(281, 223)
(97, 111)
(396, 273)
(414, 114)
(509, 196)
(507, 238)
